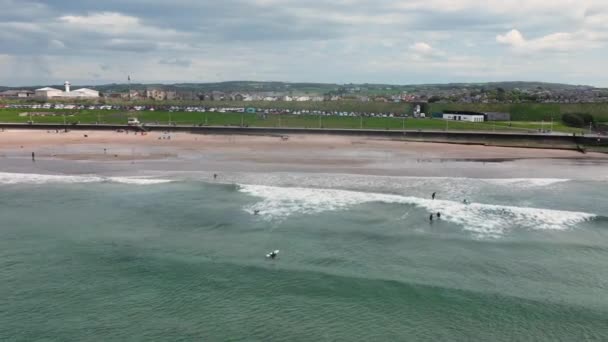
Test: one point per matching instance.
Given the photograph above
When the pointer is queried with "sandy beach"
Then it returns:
(121, 152)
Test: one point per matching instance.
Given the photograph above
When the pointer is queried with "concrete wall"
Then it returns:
(590, 143)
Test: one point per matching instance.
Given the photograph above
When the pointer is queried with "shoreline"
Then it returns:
(112, 153)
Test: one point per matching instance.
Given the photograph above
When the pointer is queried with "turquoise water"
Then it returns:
(85, 259)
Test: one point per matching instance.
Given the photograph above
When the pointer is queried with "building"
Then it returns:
(463, 116)
(53, 93)
(156, 94)
(488, 116)
(218, 96)
(171, 95)
(497, 116)
(16, 94)
(47, 93)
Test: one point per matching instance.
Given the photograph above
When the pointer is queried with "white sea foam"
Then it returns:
(483, 219)
(29, 178)
(531, 182)
(139, 181)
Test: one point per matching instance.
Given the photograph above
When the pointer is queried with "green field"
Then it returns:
(531, 111)
(270, 120)
(519, 112)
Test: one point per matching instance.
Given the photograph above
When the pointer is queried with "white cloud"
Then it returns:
(555, 42)
(422, 51)
(513, 38)
(422, 48)
(343, 40)
(113, 23)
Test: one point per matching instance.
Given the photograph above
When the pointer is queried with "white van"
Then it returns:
(133, 122)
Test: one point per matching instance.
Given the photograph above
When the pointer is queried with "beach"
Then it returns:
(164, 236)
(109, 151)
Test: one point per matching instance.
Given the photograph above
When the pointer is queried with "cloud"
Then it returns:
(181, 62)
(313, 40)
(512, 38)
(422, 48)
(555, 42)
(422, 51)
(56, 44)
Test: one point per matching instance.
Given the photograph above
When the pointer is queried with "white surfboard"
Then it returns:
(275, 252)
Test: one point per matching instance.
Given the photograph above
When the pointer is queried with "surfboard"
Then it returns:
(276, 252)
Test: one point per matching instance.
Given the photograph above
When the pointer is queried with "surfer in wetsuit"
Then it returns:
(256, 212)
(438, 215)
(215, 176)
(272, 255)
(433, 195)
(431, 218)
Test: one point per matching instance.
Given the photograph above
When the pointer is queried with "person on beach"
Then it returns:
(433, 195)
(33, 157)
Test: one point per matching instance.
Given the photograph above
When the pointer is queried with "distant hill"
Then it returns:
(321, 88)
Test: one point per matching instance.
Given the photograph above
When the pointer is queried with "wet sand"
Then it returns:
(113, 152)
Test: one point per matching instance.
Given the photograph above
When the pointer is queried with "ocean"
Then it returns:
(169, 258)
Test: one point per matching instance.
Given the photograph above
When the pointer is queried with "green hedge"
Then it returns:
(578, 119)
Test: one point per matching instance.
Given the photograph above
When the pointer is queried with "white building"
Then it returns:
(464, 117)
(52, 93)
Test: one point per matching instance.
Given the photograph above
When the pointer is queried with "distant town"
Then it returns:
(503, 92)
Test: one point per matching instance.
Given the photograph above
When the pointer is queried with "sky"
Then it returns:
(339, 41)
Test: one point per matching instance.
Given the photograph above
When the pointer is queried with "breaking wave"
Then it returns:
(29, 178)
(483, 219)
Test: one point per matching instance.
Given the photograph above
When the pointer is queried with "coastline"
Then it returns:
(561, 141)
(110, 152)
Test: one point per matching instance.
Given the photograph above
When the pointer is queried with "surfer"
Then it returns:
(433, 195)
(431, 218)
(215, 176)
(438, 215)
(256, 212)
(466, 201)
(273, 254)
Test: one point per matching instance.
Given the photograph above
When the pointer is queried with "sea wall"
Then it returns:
(533, 140)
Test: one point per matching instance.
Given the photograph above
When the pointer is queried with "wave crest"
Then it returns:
(484, 219)
(30, 178)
